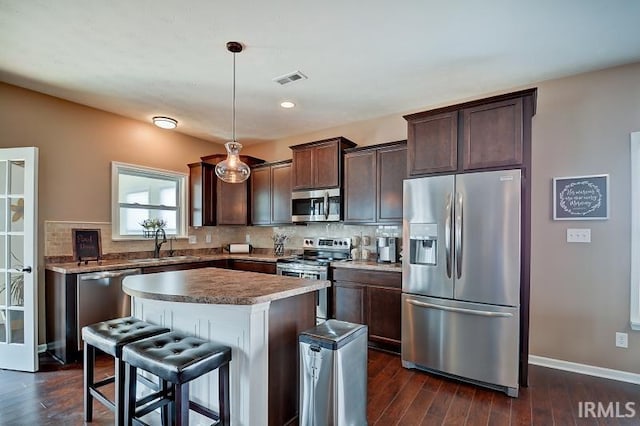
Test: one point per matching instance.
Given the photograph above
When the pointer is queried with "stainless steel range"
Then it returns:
(313, 264)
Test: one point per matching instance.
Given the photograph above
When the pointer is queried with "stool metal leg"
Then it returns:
(166, 412)
(181, 392)
(120, 391)
(223, 395)
(130, 406)
(89, 363)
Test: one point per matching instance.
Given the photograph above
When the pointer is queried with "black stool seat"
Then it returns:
(110, 337)
(179, 358)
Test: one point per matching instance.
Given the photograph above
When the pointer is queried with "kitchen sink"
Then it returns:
(163, 259)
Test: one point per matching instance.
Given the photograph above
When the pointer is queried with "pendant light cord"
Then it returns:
(233, 108)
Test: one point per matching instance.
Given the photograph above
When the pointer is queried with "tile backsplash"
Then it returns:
(58, 236)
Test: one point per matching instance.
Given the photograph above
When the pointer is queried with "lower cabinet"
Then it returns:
(184, 266)
(252, 266)
(372, 298)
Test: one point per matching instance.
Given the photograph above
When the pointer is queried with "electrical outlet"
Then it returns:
(193, 239)
(622, 340)
(579, 235)
(207, 238)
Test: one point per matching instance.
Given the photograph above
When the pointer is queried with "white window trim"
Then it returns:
(115, 206)
(635, 231)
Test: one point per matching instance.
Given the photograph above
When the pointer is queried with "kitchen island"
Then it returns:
(258, 315)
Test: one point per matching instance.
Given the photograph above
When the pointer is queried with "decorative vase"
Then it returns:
(278, 249)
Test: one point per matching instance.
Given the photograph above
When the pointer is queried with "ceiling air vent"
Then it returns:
(290, 78)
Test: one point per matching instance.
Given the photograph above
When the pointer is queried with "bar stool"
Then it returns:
(110, 337)
(178, 359)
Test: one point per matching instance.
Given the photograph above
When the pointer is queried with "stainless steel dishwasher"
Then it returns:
(100, 298)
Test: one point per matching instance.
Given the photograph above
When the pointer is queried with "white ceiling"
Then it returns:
(364, 58)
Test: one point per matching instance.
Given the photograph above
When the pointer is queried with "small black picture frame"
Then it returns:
(87, 245)
(581, 197)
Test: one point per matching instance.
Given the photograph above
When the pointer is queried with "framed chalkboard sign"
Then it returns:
(581, 198)
(87, 245)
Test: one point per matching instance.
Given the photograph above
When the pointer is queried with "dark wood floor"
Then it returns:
(397, 396)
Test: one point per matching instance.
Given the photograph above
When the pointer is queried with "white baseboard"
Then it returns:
(42, 348)
(590, 370)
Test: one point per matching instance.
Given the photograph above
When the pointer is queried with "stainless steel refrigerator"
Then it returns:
(461, 277)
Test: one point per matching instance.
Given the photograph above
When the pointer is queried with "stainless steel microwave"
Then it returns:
(321, 205)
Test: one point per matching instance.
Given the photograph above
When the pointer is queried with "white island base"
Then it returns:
(246, 329)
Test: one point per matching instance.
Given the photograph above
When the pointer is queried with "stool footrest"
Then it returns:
(201, 409)
(103, 399)
(160, 401)
(103, 382)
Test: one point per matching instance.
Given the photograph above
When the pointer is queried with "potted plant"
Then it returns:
(150, 226)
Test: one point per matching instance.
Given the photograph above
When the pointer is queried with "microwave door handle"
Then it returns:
(326, 205)
(447, 234)
(458, 234)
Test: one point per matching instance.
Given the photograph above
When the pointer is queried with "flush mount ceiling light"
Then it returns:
(287, 104)
(232, 169)
(165, 122)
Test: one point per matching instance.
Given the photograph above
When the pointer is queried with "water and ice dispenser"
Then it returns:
(423, 243)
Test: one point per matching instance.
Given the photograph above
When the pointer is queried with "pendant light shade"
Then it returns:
(232, 169)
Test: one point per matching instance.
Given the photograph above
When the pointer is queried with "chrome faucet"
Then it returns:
(156, 251)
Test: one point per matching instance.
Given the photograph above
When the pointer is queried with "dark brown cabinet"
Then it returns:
(214, 202)
(252, 266)
(202, 194)
(222, 263)
(492, 135)
(271, 194)
(373, 183)
(482, 134)
(372, 298)
(318, 164)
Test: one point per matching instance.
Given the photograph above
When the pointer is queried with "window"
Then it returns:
(139, 193)
(635, 230)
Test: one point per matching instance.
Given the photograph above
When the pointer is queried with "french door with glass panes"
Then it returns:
(18, 266)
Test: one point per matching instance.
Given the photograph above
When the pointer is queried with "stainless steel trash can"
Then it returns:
(333, 374)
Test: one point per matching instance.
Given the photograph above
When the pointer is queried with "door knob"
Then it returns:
(26, 269)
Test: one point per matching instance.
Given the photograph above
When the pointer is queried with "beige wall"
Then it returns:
(76, 146)
(580, 292)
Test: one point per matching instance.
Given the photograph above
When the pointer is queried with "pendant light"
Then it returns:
(232, 169)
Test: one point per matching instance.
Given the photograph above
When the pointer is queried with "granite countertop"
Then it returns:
(218, 286)
(114, 264)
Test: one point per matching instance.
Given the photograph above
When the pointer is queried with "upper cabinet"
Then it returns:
(318, 165)
(373, 183)
(271, 193)
(484, 134)
(214, 202)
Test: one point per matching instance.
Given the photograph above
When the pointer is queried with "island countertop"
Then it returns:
(218, 286)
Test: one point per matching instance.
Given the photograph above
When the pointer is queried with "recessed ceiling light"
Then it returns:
(165, 122)
(287, 104)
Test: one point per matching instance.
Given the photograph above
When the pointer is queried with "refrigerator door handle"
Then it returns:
(459, 310)
(447, 234)
(458, 234)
